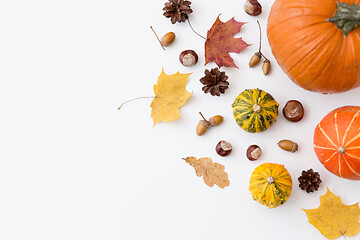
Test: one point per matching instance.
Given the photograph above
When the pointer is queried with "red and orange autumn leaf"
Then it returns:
(220, 41)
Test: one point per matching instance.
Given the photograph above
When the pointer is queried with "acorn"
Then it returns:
(266, 67)
(288, 145)
(255, 59)
(167, 39)
(204, 124)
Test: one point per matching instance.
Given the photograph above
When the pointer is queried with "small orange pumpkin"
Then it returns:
(317, 42)
(337, 142)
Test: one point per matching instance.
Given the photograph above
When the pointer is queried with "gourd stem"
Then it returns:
(133, 100)
(347, 17)
(257, 108)
(270, 180)
(341, 150)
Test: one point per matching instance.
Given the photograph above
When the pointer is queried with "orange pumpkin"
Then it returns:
(337, 142)
(314, 46)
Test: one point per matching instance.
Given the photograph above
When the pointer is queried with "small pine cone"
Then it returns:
(177, 10)
(215, 82)
(309, 181)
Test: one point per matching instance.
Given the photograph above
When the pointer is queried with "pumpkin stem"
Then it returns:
(347, 17)
(270, 180)
(341, 150)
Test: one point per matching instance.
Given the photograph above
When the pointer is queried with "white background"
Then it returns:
(74, 167)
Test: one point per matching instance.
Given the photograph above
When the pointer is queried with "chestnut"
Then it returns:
(188, 58)
(293, 111)
(253, 152)
(223, 148)
(252, 7)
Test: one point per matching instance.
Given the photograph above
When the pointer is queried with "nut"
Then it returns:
(255, 59)
(252, 7)
(188, 58)
(288, 145)
(167, 39)
(293, 111)
(216, 120)
(266, 67)
(202, 127)
(223, 148)
(253, 152)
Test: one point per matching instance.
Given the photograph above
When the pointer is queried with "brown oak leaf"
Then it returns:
(220, 41)
(212, 173)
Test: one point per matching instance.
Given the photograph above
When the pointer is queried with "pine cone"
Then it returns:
(177, 10)
(309, 181)
(215, 82)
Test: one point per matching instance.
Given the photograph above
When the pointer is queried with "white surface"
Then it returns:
(73, 167)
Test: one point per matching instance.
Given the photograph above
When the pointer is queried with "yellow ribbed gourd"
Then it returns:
(270, 184)
(255, 110)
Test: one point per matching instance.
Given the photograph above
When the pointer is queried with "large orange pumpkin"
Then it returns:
(317, 42)
(337, 142)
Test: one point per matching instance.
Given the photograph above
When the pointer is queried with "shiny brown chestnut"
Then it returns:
(188, 58)
(223, 148)
(253, 152)
(293, 111)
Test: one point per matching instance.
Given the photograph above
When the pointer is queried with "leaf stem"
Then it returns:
(260, 41)
(157, 37)
(133, 100)
(194, 30)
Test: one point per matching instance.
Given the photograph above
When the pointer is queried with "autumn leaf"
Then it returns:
(220, 41)
(334, 219)
(212, 173)
(170, 95)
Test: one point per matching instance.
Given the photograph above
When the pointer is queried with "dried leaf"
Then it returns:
(220, 41)
(334, 219)
(170, 95)
(212, 173)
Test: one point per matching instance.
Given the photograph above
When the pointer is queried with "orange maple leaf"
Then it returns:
(220, 41)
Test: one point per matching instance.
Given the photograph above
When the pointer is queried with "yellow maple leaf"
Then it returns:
(170, 95)
(334, 219)
(212, 173)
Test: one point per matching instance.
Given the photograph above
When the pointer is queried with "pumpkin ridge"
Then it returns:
(351, 148)
(327, 160)
(349, 166)
(354, 73)
(352, 140)
(349, 127)
(318, 45)
(336, 127)
(350, 155)
(326, 136)
(324, 49)
(339, 162)
(326, 148)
